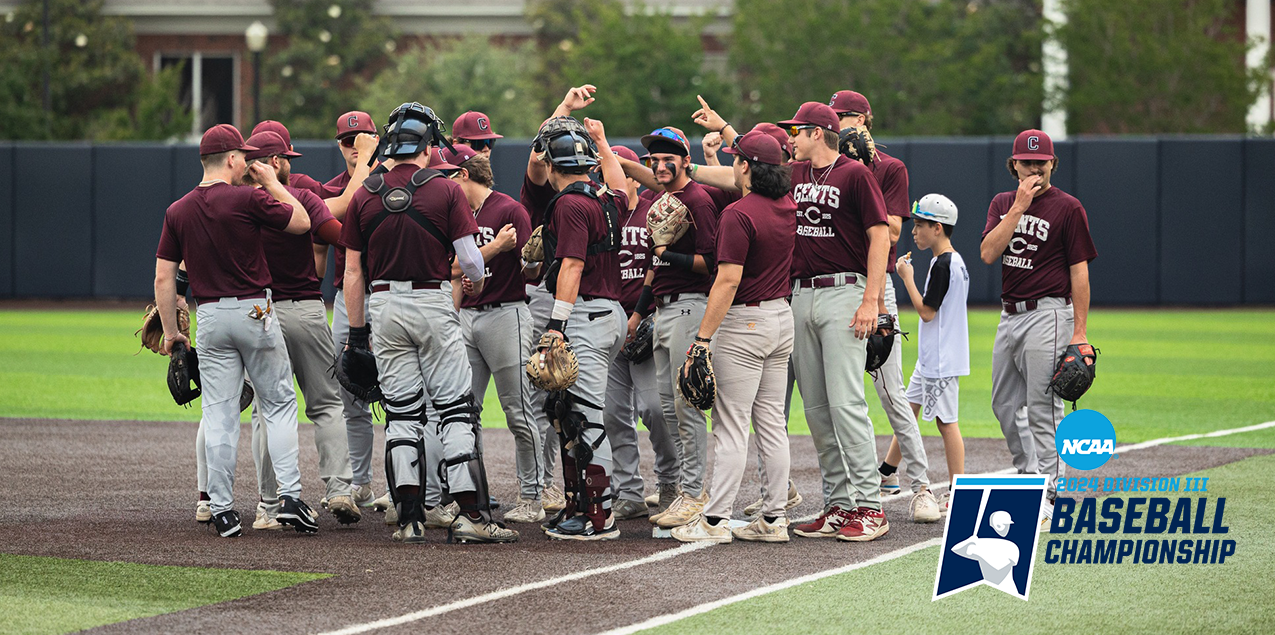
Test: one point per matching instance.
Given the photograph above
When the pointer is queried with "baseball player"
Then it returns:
(582, 232)
(417, 342)
(215, 230)
(497, 323)
(336, 195)
(631, 384)
(474, 130)
(535, 195)
(681, 278)
(841, 236)
(854, 111)
(1041, 236)
(749, 313)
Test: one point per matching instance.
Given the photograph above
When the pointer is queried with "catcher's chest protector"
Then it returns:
(398, 200)
(610, 212)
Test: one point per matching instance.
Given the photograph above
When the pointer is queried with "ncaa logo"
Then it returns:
(1033, 142)
(1086, 440)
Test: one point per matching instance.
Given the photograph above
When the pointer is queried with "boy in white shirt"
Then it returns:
(943, 353)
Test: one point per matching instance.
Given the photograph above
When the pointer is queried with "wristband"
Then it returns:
(694, 168)
(557, 325)
(646, 302)
(704, 340)
(724, 128)
(678, 260)
(561, 310)
(183, 283)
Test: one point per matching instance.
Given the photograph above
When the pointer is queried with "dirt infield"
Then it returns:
(126, 491)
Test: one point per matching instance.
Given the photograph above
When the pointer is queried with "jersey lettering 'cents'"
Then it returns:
(1052, 235)
(835, 207)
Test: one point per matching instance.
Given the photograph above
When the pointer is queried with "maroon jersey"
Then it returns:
(217, 231)
(401, 249)
(578, 221)
(759, 233)
(304, 182)
(504, 270)
(338, 185)
(648, 195)
(290, 257)
(700, 238)
(722, 198)
(835, 207)
(535, 198)
(1052, 235)
(892, 176)
(634, 254)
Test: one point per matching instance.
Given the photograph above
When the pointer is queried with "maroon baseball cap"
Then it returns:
(776, 133)
(626, 153)
(437, 162)
(354, 122)
(459, 154)
(1033, 145)
(757, 146)
(473, 125)
(222, 137)
(846, 101)
(282, 131)
(266, 143)
(813, 113)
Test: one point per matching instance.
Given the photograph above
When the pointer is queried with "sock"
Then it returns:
(714, 520)
(886, 469)
(470, 500)
(203, 496)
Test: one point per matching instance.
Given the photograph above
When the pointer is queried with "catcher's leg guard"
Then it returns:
(577, 454)
(596, 487)
(463, 412)
(406, 496)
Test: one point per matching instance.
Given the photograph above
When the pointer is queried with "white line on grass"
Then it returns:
(512, 591)
(1192, 437)
(779, 586)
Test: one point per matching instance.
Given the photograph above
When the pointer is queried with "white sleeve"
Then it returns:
(470, 259)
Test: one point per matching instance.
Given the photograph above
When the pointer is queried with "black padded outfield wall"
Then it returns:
(1177, 220)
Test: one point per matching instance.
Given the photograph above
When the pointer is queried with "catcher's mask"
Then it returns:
(412, 128)
(571, 150)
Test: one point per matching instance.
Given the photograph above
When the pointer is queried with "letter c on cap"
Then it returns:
(352, 122)
(1033, 143)
(482, 123)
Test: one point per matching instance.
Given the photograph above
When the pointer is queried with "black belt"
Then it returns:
(428, 284)
(661, 300)
(825, 282)
(1011, 308)
(495, 305)
(255, 296)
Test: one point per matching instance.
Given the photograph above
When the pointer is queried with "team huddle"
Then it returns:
(618, 287)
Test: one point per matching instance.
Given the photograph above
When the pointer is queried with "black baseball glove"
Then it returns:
(1076, 371)
(183, 371)
(881, 342)
(695, 379)
(356, 367)
(640, 348)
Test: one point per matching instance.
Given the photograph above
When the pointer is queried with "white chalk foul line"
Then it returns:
(1192, 437)
(512, 591)
(779, 586)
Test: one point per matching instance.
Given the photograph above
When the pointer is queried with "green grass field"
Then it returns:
(1161, 373)
(1081, 598)
(53, 595)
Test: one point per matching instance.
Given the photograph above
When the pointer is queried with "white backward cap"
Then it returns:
(937, 208)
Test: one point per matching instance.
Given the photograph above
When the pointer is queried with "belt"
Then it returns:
(758, 303)
(661, 300)
(827, 281)
(495, 305)
(1014, 308)
(260, 295)
(428, 284)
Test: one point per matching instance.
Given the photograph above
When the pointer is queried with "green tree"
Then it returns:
(466, 74)
(647, 66)
(331, 45)
(96, 78)
(1156, 66)
(155, 114)
(929, 67)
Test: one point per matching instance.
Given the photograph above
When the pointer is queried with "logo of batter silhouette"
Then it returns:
(991, 533)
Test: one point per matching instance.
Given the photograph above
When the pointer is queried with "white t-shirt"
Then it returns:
(944, 347)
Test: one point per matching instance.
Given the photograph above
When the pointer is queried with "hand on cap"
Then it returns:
(365, 143)
(579, 97)
(707, 117)
(262, 174)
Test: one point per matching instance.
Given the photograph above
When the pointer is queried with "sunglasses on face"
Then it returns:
(347, 142)
(796, 130)
(478, 144)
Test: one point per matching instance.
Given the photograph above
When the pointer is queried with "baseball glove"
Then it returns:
(640, 348)
(246, 396)
(1076, 371)
(554, 365)
(667, 220)
(183, 371)
(856, 143)
(695, 380)
(881, 342)
(357, 374)
(534, 249)
(152, 331)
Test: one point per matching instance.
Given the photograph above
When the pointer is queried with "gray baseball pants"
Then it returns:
(890, 389)
(540, 303)
(358, 414)
(632, 392)
(676, 325)
(596, 330)
(1026, 352)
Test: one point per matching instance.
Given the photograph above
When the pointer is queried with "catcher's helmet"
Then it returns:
(413, 128)
(571, 150)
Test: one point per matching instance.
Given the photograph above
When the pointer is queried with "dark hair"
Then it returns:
(1009, 165)
(831, 139)
(214, 160)
(479, 168)
(771, 181)
(947, 229)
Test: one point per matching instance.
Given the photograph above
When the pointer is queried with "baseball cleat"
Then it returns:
(890, 485)
(683, 512)
(761, 531)
(525, 511)
(628, 510)
(866, 524)
(441, 516)
(581, 528)
(266, 517)
(825, 526)
(385, 504)
(552, 499)
(794, 499)
(653, 499)
(698, 530)
(362, 495)
(203, 511)
(945, 503)
(925, 509)
(344, 509)
(465, 530)
(412, 532)
(227, 524)
(296, 513)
